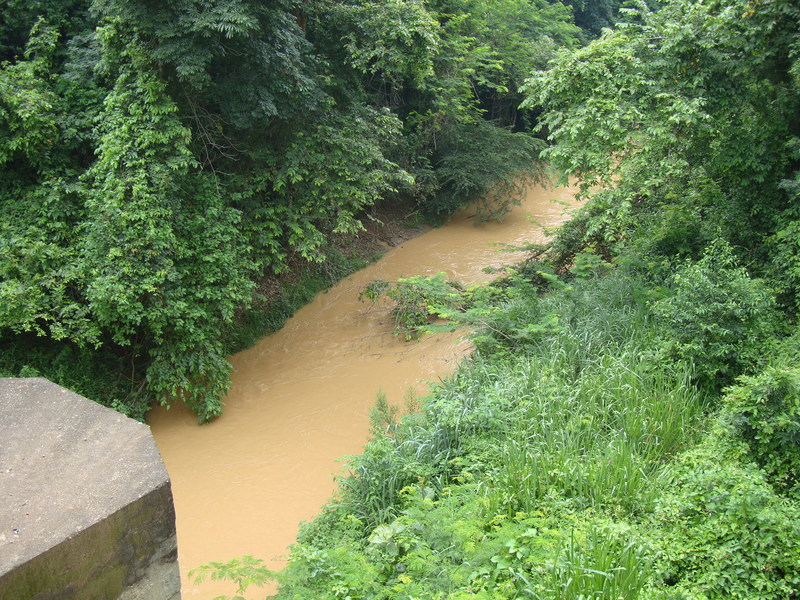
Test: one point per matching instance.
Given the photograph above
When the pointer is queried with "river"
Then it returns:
(300, 398)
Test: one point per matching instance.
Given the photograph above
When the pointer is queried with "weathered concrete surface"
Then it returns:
(85, 501)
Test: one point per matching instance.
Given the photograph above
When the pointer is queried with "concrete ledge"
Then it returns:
(85, 501)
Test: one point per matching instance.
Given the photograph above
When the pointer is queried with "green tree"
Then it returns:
(593, 15)
(681, 118)
(68, 17)
(391, 43)
(41, 273)
(165, 259)
(462, 118)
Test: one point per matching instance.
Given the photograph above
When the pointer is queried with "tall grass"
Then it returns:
(417, 453)
(599, 438)
(581, 414)
(598, 567)
(592, 419)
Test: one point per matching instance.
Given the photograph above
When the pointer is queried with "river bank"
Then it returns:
(300, 398)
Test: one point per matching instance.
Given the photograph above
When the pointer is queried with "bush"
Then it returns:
(717, 318)
(336, 573)
(725, 533)
(764, 410)
(418, 301)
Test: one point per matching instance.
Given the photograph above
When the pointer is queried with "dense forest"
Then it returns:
(629, 424)
(161, 160)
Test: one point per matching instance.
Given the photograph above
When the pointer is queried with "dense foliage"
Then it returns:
(687, 120)
(629, 424)
(161, 159)
(566, 459)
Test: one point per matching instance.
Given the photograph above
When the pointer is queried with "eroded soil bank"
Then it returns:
(300, 398)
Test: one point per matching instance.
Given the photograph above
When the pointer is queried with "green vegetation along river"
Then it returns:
(300, 398)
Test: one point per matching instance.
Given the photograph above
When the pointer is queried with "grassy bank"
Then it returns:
(580, 453)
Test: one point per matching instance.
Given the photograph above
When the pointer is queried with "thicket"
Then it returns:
(628, 426)
(580, 459)
(161, 160)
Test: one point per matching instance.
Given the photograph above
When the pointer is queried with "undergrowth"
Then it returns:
(576, 454)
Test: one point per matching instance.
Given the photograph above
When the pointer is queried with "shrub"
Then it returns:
(340, 573)
(418, 301)
(725, 533)
(717, 317)
(764, 409)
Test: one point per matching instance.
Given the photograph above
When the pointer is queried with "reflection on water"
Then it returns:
(300, 398)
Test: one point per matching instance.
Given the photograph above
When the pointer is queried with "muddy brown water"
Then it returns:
(300, 398)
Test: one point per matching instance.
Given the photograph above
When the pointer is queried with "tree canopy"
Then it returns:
(161, 158)
(686, 121)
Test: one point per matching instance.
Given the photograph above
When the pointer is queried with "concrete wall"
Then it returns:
(85, 501)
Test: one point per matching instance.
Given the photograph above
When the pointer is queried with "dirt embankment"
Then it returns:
(384, 227)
